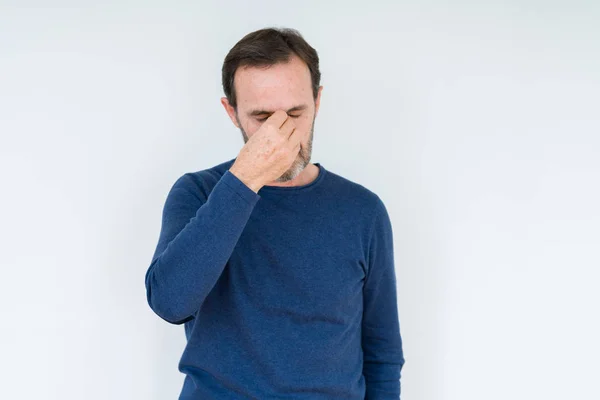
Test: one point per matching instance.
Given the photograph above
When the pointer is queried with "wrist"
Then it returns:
(251, 184)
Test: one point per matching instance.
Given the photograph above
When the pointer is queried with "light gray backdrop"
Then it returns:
(476, 122)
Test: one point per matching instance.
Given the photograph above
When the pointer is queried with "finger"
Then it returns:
(278, 118)
(295, 138)
(287, 128)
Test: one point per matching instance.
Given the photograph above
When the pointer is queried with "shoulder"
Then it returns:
(355, 194)
(201, 182)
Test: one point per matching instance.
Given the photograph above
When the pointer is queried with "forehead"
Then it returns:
(278, 86)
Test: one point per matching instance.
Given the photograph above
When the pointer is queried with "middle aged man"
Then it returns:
(281, 270)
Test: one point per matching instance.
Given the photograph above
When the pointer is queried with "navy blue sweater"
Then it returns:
(288, 293)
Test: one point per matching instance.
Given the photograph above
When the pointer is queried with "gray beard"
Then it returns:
(301, 161)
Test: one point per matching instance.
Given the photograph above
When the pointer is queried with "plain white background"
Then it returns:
(477, 122)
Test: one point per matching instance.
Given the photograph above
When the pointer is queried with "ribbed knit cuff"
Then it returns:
(240, 187)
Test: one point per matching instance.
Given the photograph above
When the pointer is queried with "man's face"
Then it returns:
(262, 91)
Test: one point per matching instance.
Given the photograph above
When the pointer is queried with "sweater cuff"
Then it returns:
(234, 183)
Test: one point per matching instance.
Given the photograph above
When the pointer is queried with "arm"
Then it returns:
(381, 340)
(196, 240)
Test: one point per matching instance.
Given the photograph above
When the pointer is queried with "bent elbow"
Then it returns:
(168, 313)
(162, 305)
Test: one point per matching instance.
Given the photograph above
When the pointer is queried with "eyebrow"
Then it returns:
(261, 112)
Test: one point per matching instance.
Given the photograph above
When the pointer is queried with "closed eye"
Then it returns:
(264, 119)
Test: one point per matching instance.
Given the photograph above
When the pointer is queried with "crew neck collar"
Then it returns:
(293, 189)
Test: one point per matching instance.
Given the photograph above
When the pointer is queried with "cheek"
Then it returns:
(304, 124)
(251, 126)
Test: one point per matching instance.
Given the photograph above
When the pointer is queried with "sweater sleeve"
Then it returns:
(196, 240)
(381, 341)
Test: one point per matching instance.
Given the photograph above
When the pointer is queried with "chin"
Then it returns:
(292, 172)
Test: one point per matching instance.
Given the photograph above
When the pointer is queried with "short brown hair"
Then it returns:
(266, 47)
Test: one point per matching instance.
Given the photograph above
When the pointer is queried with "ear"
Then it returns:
(318, 100)
(230, 111)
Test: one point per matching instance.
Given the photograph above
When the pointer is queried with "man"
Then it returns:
(281, 270)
